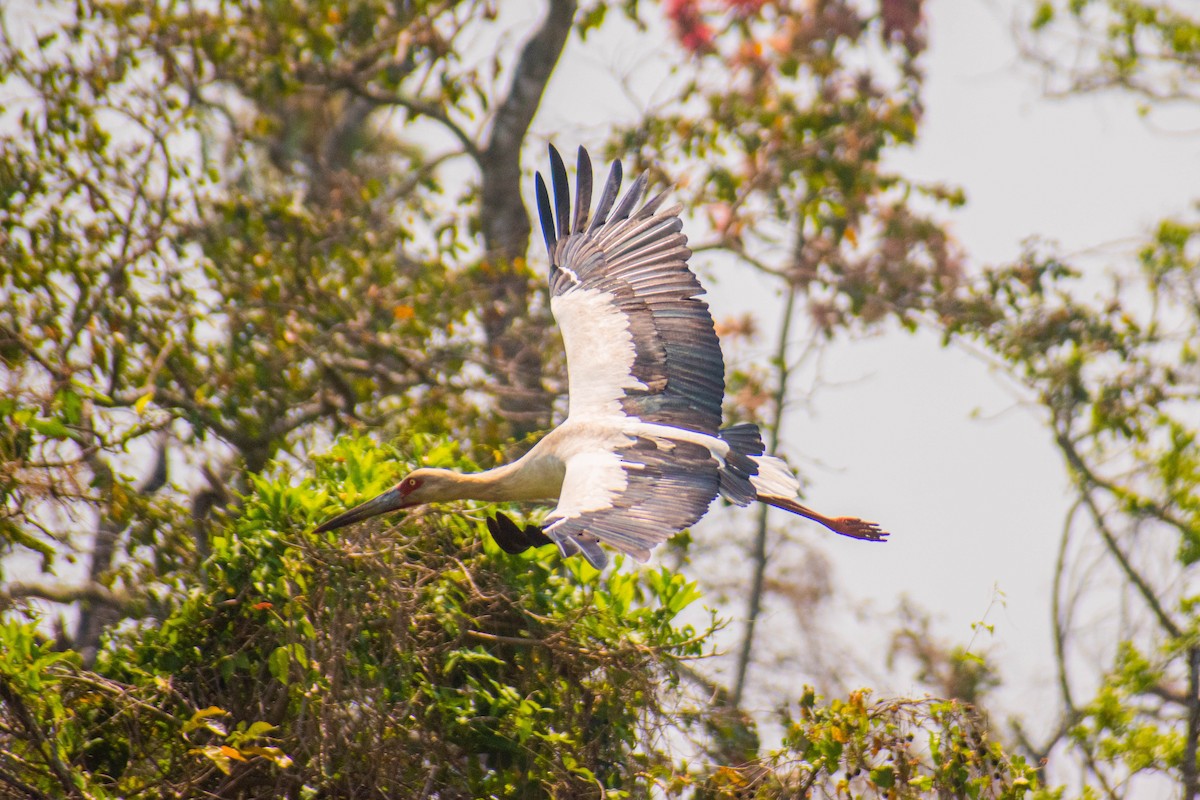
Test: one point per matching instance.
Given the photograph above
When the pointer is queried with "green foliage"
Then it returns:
(405, 656)
(1149, 48)
(180, 279)
(1129, 723)
(412, 655)
(885, 749)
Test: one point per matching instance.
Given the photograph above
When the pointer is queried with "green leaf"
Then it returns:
(54, 428)
(272, 754)
(259, 729)
(279, 663)
(71, 406)
(204, 719)
(1043, 16)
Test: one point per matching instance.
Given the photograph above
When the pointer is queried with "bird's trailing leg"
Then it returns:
(853, 527)
(511, 538)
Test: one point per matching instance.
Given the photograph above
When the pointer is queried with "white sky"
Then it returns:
(926, 440)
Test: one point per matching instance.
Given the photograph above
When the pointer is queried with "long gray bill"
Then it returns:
(390, 500)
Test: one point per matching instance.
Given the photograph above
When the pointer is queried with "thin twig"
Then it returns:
(759, 554)
(48, 749)
(21, 786)
(1190, 780)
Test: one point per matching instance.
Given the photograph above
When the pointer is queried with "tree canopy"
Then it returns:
(257, 258)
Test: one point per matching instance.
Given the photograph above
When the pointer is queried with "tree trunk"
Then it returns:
(516, 341)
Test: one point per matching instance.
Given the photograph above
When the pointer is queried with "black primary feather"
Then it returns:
(583, 190)
(625, 207)
(544, 214)
(612, 186)
(511, 538)
(562, 193)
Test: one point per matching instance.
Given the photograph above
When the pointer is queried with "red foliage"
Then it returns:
(690, 28)
(902, 23)
(745, 7)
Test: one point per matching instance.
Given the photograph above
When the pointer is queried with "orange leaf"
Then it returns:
(232, 752)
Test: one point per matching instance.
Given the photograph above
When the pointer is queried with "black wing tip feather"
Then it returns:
(557, 220)
(583, 190)
(631, 198)
(612, 186)
(652, 205)
(512, 538)
(562, 193)
(545, 215)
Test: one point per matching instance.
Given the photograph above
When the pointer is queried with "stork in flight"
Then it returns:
(641, 454)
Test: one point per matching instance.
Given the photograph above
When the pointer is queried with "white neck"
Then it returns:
(522, 480)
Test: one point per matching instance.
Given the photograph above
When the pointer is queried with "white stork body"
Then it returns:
(640, 455)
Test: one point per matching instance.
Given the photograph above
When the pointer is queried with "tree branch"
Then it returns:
(1139, 583)
(91, 592)
(21, 786)
(1190, 780)
(96, 614)
(759, 553)
(11, 698)
(1080, 466)
(1056, 612)
(420, 108)
(1084, 476)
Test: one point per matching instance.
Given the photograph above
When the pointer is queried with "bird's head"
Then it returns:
(425, 485)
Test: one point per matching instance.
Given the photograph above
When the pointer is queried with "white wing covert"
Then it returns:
(639, 339)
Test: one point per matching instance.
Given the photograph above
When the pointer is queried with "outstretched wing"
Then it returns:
(632, 498)
(639, 340)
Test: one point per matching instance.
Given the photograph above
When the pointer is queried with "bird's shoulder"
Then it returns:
(582, 433)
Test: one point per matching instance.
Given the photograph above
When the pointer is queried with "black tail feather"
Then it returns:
(744, 441)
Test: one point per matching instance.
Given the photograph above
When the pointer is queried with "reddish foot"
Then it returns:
(856, 528)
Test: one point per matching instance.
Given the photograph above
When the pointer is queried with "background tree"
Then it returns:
(781, 134)
(231, 235)
(190, 246)
(1114, 373)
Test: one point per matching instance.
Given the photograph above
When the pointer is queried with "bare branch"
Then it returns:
(421, 108)
(60, 593)
(1110, 540)
(759, 553)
